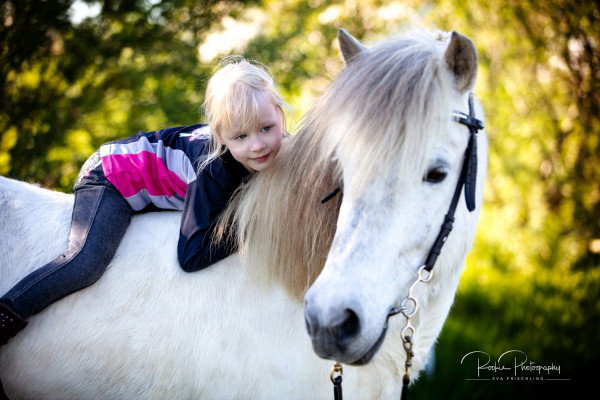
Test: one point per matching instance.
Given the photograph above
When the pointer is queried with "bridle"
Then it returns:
(409, 305)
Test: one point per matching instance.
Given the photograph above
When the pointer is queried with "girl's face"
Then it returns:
(257, 150)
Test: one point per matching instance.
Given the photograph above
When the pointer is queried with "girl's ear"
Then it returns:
(218, 140)
(350, 47)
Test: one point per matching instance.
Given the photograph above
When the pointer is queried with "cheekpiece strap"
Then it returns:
(468, 178)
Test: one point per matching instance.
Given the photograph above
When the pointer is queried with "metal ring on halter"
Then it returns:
(405, 307)
(404, 334)
(395, 310)
(408, 344)
(421, 270)
(337, 367)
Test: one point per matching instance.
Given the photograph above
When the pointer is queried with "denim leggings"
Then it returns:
(100, 218)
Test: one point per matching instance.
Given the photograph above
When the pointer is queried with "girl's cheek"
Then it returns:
(277, 139)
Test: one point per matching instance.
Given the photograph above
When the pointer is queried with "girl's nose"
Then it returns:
(257, 144)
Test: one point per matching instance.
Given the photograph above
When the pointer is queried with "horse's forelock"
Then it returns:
(393, 101)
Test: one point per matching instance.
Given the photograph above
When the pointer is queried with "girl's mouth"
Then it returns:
(261, 159)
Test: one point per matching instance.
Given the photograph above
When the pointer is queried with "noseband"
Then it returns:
(409, 305)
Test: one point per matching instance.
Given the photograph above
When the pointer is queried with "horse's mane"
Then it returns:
(281, 227)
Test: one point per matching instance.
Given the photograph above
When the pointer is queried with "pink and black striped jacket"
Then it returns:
(158, 170)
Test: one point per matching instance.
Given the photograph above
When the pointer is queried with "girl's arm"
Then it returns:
(204, 201)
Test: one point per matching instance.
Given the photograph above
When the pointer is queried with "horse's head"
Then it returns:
(393, 136)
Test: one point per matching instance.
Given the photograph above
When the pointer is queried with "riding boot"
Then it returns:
(10, 323)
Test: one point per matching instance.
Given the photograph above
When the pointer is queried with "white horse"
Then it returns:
(149, 330)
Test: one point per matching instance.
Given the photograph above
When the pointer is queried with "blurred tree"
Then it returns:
(534, 274)
(67, 87)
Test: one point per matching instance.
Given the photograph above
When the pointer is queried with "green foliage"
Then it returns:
(132, 67)
(533, 277)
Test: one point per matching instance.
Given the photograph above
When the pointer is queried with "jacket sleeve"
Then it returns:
(204, 201)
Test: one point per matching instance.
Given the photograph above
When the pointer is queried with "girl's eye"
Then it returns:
(241, 137)
(436, 175)
(267, 128)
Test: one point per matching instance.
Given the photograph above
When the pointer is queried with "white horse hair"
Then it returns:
(236, 330)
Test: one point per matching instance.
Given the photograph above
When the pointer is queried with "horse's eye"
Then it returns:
(436, 175)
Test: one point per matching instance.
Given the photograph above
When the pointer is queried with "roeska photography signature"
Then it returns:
(513, 364)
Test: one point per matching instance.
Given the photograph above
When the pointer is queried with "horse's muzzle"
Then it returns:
(335, 334)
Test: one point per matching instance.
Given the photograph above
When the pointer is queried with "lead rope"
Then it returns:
(337, 381)
(409, 331)
(408, 344)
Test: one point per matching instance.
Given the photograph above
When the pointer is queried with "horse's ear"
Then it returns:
(461, 59)
(350, 47)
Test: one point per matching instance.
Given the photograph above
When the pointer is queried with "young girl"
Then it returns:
(195, 169)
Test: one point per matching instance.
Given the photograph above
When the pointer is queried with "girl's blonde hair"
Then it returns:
(232, 99)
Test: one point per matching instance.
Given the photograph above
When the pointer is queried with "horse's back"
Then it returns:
(146, 328)
(34, 226)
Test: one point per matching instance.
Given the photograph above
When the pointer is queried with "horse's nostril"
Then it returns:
(349, 328)
(332, 330)
(311, 320)
(310, 328)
